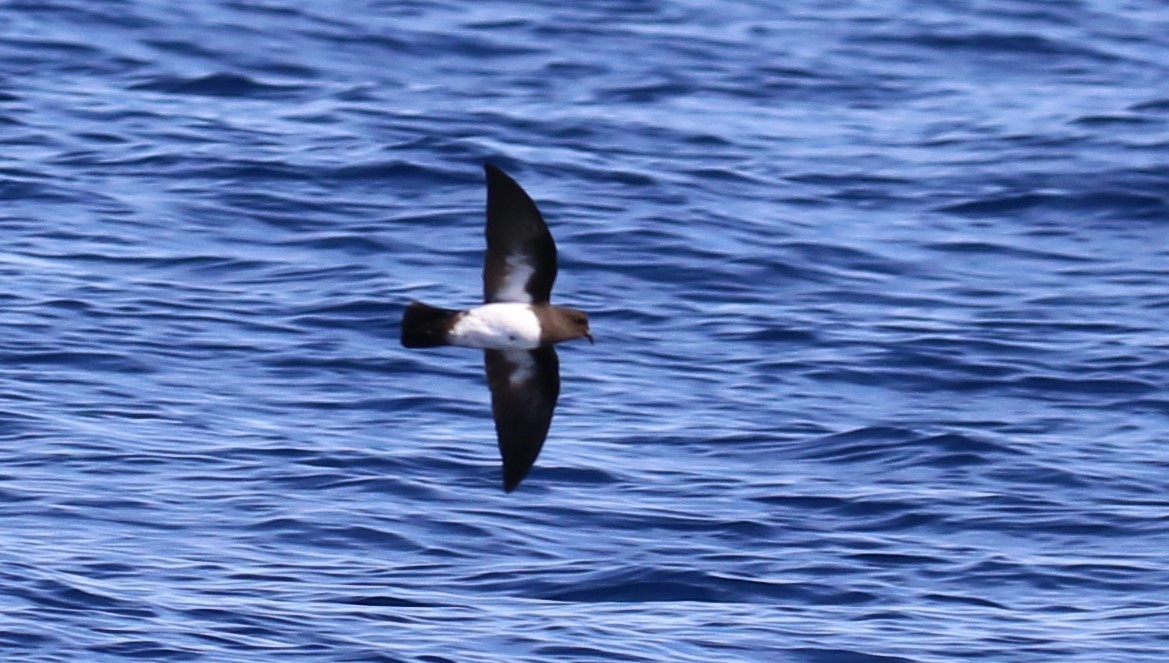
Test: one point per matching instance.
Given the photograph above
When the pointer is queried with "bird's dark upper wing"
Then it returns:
(521, 256)
(524, 387)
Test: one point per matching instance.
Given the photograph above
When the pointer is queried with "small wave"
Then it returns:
(220, 84)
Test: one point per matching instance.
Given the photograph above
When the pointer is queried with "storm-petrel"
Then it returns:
(517, 326)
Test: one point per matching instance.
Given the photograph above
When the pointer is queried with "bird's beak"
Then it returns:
(589, 335)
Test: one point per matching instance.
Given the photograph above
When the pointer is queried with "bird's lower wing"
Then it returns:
(525, 385)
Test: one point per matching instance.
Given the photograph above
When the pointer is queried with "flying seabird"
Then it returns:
(517, 326)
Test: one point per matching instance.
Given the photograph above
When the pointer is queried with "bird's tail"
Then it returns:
(426, 326)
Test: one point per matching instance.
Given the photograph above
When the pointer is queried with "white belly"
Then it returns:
(497, 326)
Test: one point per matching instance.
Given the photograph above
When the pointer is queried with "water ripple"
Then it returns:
(879, 302)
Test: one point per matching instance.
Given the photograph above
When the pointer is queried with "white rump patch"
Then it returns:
(518, 273)
(498, 326)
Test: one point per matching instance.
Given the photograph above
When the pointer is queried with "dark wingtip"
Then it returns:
(497, 174)
(512, 478)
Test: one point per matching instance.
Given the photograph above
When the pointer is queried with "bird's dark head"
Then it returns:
(577, 323)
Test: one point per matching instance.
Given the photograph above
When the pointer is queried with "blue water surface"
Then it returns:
(880, 291)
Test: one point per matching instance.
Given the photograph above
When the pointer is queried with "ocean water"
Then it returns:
(880, 291)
